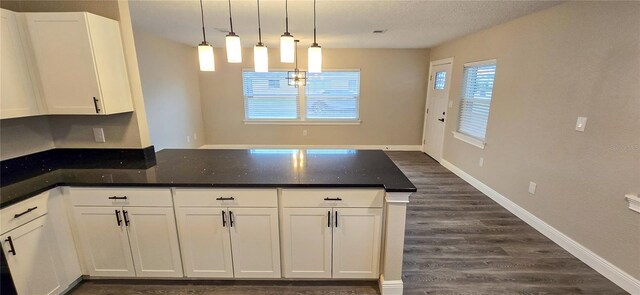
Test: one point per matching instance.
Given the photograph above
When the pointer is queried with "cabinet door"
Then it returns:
(154, 241)
(65, 62)
(104, 243)
(356, 242)
(17, 89)
(306, 242)
(255, 242)
(33, 260)
(205, 242)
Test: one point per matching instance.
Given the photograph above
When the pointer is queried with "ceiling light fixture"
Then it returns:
(287, 42)
(260, 53)
(314, 54)
(205, 51)
(296, 77)
(234, 49)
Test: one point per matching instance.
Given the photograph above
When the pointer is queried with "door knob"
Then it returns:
(441, 120)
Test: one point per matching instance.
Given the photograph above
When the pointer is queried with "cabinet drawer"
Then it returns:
(150, 197)
(364, 198)
(226, 197)
(26, 210)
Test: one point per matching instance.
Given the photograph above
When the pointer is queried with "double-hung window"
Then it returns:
(328, 97)
(477, 89)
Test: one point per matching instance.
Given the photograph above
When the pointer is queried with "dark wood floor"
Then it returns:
(458, 241)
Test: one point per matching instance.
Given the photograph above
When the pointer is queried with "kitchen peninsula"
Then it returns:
(214, 214)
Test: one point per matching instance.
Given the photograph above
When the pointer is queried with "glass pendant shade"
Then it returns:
(205, 55)
(260, 58)
(234, 49)
(287, 48)
(315, 59)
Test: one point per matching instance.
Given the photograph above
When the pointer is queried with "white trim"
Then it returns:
(481, 63)
(397, 197)
(634, 202)
(293, 146)
(468, 139)
(301, 122)
(444, 61)
(601, 265)
(390, 287)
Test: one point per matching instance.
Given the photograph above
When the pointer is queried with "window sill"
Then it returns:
(468, 139)
(299, 122)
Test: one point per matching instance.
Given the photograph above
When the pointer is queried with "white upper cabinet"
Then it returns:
(80, 62)
(18, 94)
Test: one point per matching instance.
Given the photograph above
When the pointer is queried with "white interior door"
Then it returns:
(154, 241)
(33, 259)
(255, 242)
(306, 242)
(104, 241)
(435, 114)
(357, 234)
(205, 242)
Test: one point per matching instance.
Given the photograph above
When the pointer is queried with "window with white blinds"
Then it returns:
(268, 97)
(328, 96)
(477, 88)
(332, 95)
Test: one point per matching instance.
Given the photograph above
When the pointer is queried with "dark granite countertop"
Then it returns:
(230, 168)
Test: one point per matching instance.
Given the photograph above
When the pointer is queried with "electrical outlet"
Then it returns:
(195, 136)
(98, 135)
(481, 162)
(532, 187)
(581, 123)
(304, 132)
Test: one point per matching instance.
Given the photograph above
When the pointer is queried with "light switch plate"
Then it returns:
(581, 123)
(450, 104)
(98, 135)
(481, 162)
(532, 187)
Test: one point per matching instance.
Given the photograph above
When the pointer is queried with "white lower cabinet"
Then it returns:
(356, 242)
(229, 233)
(306, 236)
(33, 259)
(205, 242)
(104, 241)
(255, 242)
(37, 243)
(154, 241)
(121, 240)
(322, 239)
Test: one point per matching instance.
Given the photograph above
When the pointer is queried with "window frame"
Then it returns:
(302, 105)
(470, 139)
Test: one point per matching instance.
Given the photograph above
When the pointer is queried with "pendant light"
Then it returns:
(296, 77)
(234, 49)
(260, 53)
(314, 54)
(205, 51)
(287, 42)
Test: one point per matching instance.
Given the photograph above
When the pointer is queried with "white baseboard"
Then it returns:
(390, 287)
(601, 265)
(355, 147)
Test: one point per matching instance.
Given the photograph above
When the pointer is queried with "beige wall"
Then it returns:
(576, 59)
(24, 136)
(392, 99)
(122, 130)
(169, 74)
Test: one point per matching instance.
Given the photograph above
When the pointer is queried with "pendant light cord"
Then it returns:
(314, 23)
(286, 19)
(204, 35)
(259, 28)
(230, 18)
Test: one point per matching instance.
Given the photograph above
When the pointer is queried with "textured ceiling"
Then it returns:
(341, 24)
